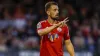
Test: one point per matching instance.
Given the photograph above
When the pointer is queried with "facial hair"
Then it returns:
(57, 18)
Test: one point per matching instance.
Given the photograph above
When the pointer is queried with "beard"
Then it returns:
(56, 18)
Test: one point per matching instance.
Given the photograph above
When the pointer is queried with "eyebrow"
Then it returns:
(56, 9)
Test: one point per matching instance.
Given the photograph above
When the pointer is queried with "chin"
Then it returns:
(56, 18)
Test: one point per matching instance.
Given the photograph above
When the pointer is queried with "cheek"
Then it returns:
(52, 14)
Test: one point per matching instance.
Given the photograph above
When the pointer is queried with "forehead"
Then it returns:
(54, 7)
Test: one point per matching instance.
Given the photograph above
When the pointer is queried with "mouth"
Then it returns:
(57, 15)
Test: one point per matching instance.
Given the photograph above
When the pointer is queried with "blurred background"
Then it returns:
(18, 20)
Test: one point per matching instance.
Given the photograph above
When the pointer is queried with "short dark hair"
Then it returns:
(48, 5)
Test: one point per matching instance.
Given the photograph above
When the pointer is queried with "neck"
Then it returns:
(51, 21)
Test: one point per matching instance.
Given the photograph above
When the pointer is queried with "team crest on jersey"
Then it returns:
(53, 37)
(59, 29)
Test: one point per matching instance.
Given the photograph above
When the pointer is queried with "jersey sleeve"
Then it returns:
(40, 26)
(66, 33)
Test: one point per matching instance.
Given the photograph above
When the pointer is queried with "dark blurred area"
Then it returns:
(18, 20)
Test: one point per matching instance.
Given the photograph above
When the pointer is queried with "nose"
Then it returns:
(57, 12)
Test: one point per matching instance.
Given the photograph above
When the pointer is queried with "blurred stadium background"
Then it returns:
(18, 20)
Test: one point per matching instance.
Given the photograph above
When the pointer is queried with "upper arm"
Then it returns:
(39, 26)
(67, 42)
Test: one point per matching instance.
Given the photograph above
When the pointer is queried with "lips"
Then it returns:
(57, 15)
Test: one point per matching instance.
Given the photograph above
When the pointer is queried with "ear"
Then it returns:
(48, 13)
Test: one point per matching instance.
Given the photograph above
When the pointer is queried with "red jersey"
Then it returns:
(51, 43)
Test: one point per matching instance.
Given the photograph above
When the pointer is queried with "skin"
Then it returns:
(53, 15)
(53, 11)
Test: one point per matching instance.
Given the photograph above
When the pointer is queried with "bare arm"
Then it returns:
(69, 47)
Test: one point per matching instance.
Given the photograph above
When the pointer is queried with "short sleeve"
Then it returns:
(39, 26)
(66, 33)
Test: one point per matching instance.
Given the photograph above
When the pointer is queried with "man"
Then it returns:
(53, 32)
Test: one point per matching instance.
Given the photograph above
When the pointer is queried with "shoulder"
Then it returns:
(66, 26)
(41, 23)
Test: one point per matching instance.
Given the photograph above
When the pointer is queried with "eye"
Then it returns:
(55, 9)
